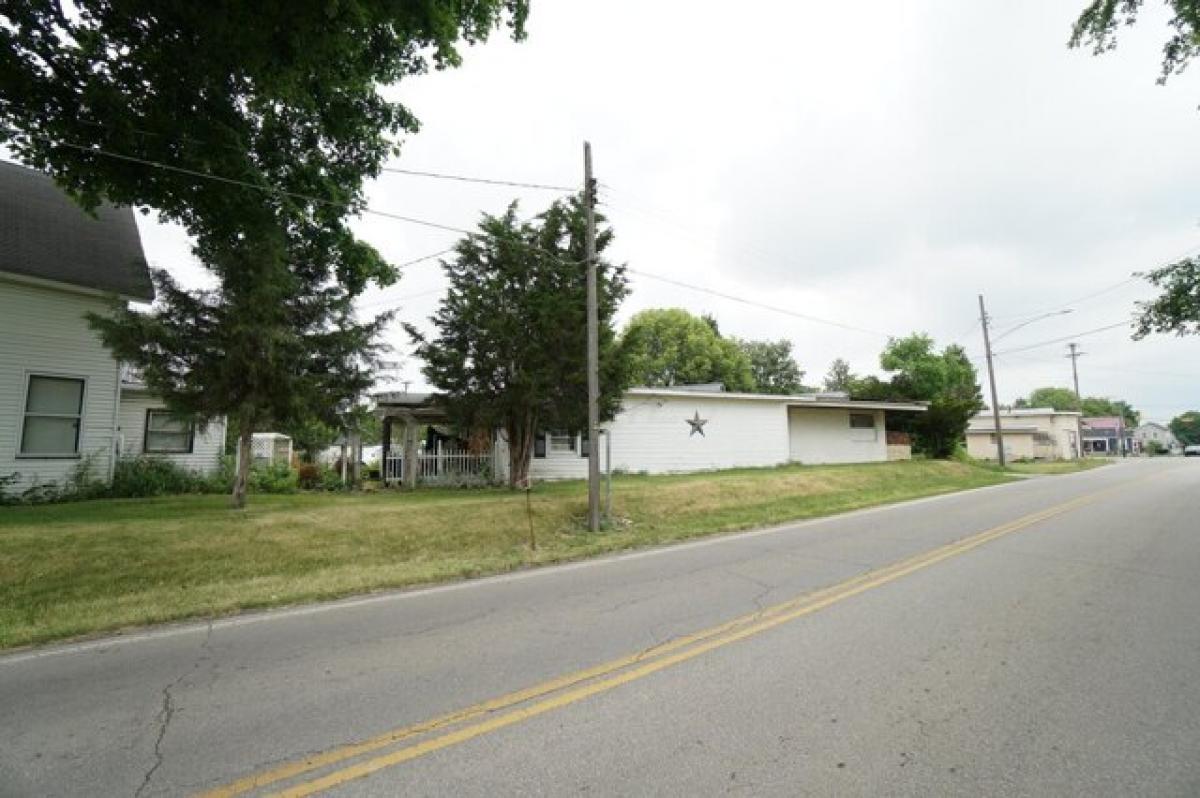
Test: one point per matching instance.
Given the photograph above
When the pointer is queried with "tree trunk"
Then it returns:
(520, 450)
(245, 454)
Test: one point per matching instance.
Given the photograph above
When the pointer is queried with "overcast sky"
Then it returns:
(875, 164)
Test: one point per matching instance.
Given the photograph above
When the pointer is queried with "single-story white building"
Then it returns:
(63, 400)
(677, 430)
(1030, 433)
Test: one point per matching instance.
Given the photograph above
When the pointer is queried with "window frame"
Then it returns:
(191, 433)
(24, 413)
(855, 414)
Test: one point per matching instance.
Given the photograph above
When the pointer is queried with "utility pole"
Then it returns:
(593, 344)
(987, 348)
(1075, 355)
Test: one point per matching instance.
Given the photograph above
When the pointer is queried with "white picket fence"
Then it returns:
(445, 466)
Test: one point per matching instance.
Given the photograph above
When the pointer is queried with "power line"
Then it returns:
(280, 192)
(392, 169)
(484, 180)
(753, 303)
(1064, 338)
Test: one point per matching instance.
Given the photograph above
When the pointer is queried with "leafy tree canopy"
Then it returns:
(1100, 20)
(283, 99)
(1177, 309)
(1061, 399)
(1186, 427)
(1103, 406)
(839, 377)
(508, 349)
(669, 346)
(772, 366)
(946, 380)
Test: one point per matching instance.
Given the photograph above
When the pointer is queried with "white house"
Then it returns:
(675, 430)
(1030, 433)
(62, 397)
(1152, 431)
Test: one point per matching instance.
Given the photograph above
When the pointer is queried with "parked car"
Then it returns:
(1192, 451)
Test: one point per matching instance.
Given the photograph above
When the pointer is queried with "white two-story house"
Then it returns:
(62, 398)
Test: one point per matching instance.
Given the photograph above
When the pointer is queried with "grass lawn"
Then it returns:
(76, 569)
(1058, 466)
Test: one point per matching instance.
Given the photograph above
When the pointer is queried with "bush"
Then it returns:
(273, 478)
(308, 476)
(1153, 448)
(138, 477)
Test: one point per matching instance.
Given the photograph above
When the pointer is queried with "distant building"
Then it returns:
(1159, 433)
(1030, 433)
(1106, 435)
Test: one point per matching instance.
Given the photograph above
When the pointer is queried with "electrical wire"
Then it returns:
(753, 303)
(1061, 340)
(281, 192)
(483, 180)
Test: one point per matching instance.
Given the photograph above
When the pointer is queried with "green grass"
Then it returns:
(1057, 466)
(76, 569)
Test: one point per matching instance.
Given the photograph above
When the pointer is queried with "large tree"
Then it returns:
(1103, 406)
(839, 377)
(270, 346)
(1186, 427)
(253, 126)
(946, 380)
(669, 346)
(1098, 23)
(508, 348)
(1177, 309)
(772, 366)
(1051, 396)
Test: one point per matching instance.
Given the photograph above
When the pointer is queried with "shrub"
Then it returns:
(138, 477)
(308, 476)
(273, 478)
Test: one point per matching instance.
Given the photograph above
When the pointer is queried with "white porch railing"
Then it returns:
(446, 466)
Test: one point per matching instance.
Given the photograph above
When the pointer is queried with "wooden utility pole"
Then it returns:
(593, 344)
(987, 348)
(1075, 355)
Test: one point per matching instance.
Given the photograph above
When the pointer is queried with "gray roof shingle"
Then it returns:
(44, 234)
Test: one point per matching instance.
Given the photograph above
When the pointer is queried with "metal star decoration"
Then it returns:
(697, 424)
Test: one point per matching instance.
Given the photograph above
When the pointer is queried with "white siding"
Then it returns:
(43, 331)
(651, 434)
(824, 435)
(207, 446)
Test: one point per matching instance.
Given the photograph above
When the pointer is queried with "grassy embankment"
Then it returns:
(76, 569)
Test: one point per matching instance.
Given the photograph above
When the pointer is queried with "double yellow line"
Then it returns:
(482, 718)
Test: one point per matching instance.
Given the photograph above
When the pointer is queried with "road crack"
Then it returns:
(167, 711)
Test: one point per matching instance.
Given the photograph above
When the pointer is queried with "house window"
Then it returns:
(561, 442)
(53, 416)
(862, 421)
(167, 433)
(539, 445)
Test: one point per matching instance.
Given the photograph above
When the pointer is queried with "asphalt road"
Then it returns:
(1039, 638)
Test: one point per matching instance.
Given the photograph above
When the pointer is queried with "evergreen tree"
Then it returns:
(508, 349)
(272, 346)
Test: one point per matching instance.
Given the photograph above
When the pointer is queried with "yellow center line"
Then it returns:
(577, 686)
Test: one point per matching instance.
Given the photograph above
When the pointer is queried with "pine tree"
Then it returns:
(508, 350)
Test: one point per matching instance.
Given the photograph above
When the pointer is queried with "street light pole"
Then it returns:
(987, 348)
